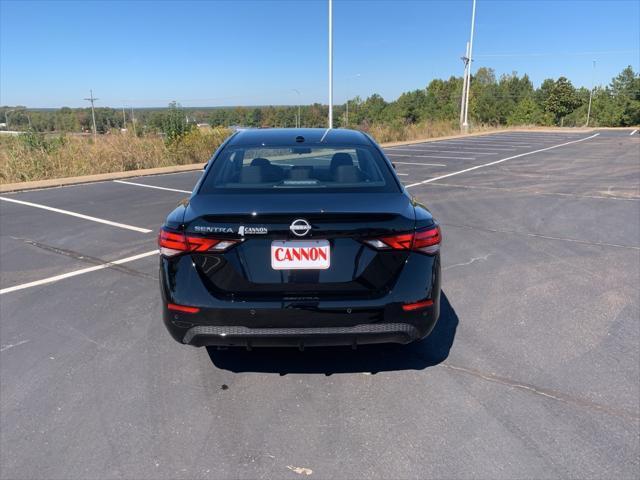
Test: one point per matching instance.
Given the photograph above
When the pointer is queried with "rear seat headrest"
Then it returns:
(260, 162)
(338, 159)
(251, 174)
(347, 174)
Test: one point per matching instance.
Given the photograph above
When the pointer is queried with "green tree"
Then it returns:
(625, 89)
(174, 123)
(442, 99)
(562, 99)
(526, 112)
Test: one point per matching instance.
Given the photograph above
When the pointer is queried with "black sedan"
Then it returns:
(299, 237)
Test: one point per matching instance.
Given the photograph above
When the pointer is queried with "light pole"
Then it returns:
(465, 123)
(298, 120)
(463, 100)
(330, 63)
(591, 93)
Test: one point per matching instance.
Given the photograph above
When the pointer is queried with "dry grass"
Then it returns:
(418, 131)
(34, 157)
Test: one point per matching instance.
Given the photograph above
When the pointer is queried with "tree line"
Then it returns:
(508, 100)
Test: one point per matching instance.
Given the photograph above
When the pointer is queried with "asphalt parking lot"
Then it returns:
(532, 372)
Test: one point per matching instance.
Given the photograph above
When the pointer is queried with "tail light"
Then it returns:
(410, 307)
(175, 243)
(426, 241)
(182, 308)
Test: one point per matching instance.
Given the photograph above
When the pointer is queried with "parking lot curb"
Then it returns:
(103, 177)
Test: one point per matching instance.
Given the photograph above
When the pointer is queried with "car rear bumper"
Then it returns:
(302, 326)
(299, 322)
(301, 337)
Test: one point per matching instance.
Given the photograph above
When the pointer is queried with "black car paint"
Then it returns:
(239, 289)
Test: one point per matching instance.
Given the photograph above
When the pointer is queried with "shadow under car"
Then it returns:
(428, 352)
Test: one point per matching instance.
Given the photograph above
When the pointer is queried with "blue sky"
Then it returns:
(148, 53)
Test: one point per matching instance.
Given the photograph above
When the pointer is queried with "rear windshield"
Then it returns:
(296, 169)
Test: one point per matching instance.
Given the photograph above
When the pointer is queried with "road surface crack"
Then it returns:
(85, 258)
(544, 392)
(539, 235)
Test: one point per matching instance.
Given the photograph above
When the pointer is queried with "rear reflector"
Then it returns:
(182, 308)
(174, 243)
(425, 240)
(409, 307)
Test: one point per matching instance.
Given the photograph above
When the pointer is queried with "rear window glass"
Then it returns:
(292, 169)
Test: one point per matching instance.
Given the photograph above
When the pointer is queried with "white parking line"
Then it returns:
(422, 150)
(77, 272)
(633, 132)
(152, 186)
(463, 148)
(429, 156)
(487, 144)
(79, 215)
(421, 164)
(429, 180)
(402, 174)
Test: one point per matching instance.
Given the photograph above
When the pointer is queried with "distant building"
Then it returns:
(3, 126)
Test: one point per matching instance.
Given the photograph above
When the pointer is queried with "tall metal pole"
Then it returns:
(298, 120)
(347, 119)
(124, 118)
(330, 63)
(591, 92)
(465, 124)
(93, 112)
(465, 59)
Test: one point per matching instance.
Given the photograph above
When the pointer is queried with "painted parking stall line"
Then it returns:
(152, 186)
(422, 150)
(500, 161)
(471, 143)
(421, 164)
(75, 273)
(77, 215)
(429, 156)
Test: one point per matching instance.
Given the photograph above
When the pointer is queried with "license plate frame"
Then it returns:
(300, 254)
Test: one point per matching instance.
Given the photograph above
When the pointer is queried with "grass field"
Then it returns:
(33, 156)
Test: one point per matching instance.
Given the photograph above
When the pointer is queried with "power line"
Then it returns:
(559, 54)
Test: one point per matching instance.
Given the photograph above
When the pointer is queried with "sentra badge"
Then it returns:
(208, 229)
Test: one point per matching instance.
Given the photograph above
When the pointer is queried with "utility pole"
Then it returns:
(133, 121)
(463, 101)
(6, 117)
(357, 75)
(93, 112)
(299, 119)
(330, 63)
(465, 123)
(591, 92)
(347, 119)
(124, 118)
